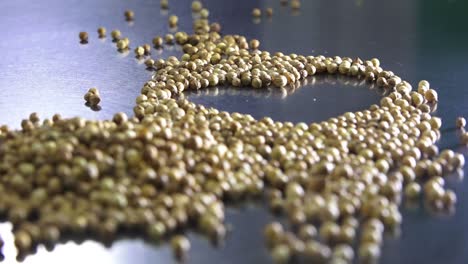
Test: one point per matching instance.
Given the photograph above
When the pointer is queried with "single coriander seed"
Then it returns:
(83, 37)
(129, 15)
(256, 12)
(460, 123)
(115, 34)
(101, 32)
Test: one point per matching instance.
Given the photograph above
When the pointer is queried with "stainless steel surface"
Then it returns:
(43, 68)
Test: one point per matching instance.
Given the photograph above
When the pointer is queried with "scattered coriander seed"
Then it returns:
(464, 138)
(122, 45)
(204, 13)
(174, 162)
(369, 253)
(180, 246)
(173, 19)
(147, 48)
(129, 15)
(169, 38)
(158, 42)
(269, 12)
(215, 27)
(149, 63)
(256, 12)
(101, 32)
(164, 4)
(139, 51)
(94, 99)
(254, 44)
(115, 34)
(449, 198)
(196, 6)
(83, 37)
(281, 254)
(295, 4)
(431, 95)
(412, 190)
(460, 123)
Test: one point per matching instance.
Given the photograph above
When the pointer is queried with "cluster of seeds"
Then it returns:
(257, 13)
(92, 97)
(174, 164)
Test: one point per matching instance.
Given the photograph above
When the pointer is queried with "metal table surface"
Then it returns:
(43, 68)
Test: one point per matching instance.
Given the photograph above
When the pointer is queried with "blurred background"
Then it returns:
(44, 69)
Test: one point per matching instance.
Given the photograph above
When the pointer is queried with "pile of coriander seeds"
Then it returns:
(175, 164)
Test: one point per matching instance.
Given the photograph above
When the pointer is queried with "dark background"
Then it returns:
(43, 68)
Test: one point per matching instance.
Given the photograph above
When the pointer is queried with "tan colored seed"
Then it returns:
(269, 12)
(256, 12)
(197, 6)
(164, 4)
(180, 246)
(83, 37)
(464, 138)
(149, 63)
(254, 44)
(129, 15)
(147, 48)
(460, 123)
(115, 34)
(101, 32)
(280, 81)
(158, 42)
(431, 96)
(139, 51)
(173, 20)
(295, 4)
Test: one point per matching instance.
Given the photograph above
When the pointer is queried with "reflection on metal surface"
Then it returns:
(284, 92)
(316, 98)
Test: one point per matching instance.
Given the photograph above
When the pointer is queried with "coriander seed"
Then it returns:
(173, 21)
(115, 34)
(129, 15)
(83, 37)
(460, 123)
(180, 246)
(196, 6)
(101, 32)
(256, 12)
(269, 12)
